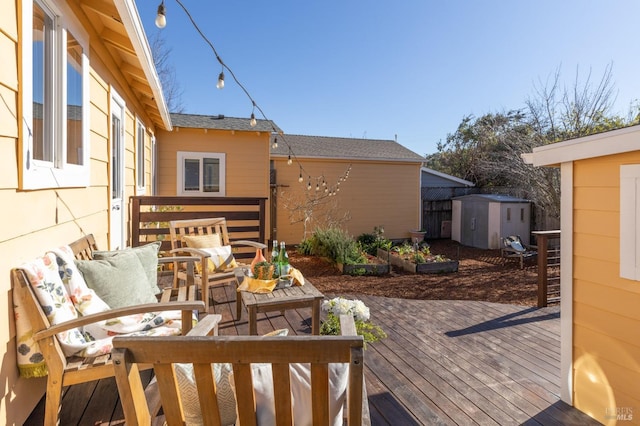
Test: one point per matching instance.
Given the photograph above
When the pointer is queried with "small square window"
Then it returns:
(201, 174)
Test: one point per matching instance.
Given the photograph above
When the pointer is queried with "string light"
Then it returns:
(220, 84)
(161, 17)
(161, 22)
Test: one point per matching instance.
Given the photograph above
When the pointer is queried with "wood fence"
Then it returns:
(150, 216)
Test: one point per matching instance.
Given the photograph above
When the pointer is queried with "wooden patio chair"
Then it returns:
(209, 233)
(65, 371)
(246, 355)
(513, 247)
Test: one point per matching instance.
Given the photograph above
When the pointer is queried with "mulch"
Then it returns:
(482, 275)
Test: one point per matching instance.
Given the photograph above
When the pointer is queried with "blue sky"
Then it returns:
(376, 69)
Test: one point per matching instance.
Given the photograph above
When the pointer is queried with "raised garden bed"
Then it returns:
(364, 269)
(439, 267)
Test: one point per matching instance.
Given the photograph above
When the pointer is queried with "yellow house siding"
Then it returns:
(43, 219)
(606, 320)
(377, 193)
(247, 158)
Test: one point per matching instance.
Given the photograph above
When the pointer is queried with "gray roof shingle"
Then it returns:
(344, 148)
(220, 122)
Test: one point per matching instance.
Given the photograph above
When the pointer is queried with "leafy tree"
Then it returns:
(488, 150)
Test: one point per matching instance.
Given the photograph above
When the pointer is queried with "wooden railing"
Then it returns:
(150, 216)
(548, 244)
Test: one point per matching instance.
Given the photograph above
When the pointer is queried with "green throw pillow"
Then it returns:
(118, 280)
(148, 256)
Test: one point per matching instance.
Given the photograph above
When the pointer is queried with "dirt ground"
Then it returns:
(482, 275)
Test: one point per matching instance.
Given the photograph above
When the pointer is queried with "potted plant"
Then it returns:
(418, 236)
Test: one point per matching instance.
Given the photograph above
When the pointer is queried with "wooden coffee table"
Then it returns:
(287, 298)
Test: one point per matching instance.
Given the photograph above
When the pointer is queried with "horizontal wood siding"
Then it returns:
(247, 158)
(606, 336)
(40, 220)
(375, 194)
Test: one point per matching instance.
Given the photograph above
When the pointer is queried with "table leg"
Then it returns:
(315, 317)
(253, 326)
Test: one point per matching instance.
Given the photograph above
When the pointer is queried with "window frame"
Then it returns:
(141, 136)
(57, 173)
(630, 221)
(200, 156)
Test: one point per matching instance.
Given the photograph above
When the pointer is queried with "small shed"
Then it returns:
(480, 220)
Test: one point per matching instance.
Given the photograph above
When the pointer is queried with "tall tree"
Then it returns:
(487, 150)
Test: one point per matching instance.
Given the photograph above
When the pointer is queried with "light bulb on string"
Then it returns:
(274, 145)
(309, 184)
(289, 160)
(161, 17)
(220, 84)
(253, 121)
(317, 187)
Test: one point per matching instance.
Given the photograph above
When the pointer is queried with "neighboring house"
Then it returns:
(382, 186)
(80, 102)
(437, 191)
(214, 155)
(600, 273)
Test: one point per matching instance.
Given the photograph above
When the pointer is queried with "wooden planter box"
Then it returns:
(364, 269)
(420, 268)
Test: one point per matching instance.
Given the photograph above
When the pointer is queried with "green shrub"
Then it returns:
(337, 245)
(370, 243)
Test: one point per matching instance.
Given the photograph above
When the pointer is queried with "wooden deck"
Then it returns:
(444, 362)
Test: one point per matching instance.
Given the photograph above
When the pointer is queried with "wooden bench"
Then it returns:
(64, 371)
(241, 352)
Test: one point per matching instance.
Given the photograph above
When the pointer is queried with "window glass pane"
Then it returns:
(42, 77)
(140, 156)
(74, 101)
(116, 188)
(211, 171)
(191, 174)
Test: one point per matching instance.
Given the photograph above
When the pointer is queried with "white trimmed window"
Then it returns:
(201, 174)
(55, 97)
(140, 158)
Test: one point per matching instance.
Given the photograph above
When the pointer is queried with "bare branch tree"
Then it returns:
(166, 73)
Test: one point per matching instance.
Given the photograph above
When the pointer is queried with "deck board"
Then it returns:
(444, 362)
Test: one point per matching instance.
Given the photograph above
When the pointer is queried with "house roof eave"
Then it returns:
(133, 26)
(627, 140)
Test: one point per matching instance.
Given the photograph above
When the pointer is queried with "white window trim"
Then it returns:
(630, 222)
(41, 174)
(184, 155)
(140, 150)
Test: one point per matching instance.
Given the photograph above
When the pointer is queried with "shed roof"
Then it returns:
(221, 122)
(451, 178)
(624, 140)
(496, 198)
(343, 148)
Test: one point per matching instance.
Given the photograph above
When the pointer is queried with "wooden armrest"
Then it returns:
(119, 312)
(347, 326)
(249, 243)
(207, 326)
(193, 251)
(170, 259)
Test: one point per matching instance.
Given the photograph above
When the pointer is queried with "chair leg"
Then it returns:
(52, 401)
(238, 304)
